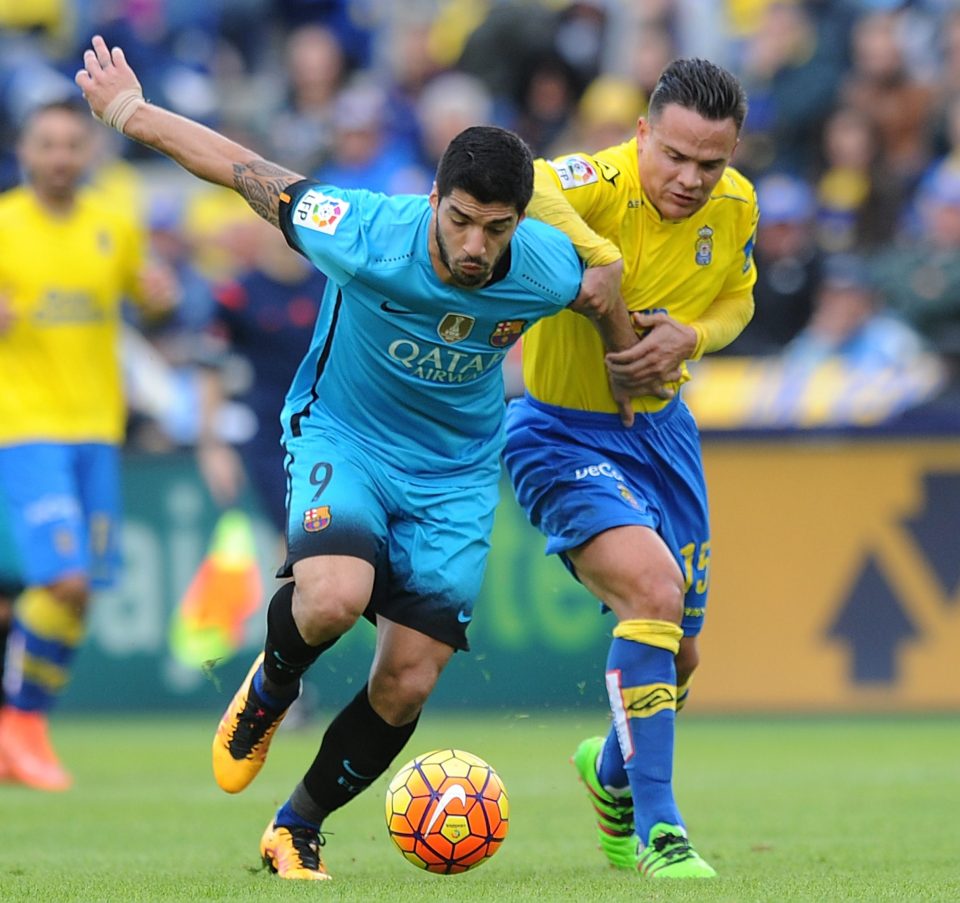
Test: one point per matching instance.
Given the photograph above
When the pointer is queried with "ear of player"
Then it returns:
(447, 811)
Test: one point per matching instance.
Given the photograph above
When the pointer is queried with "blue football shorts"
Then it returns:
(578, 473)
(63, 509)
(428, 543)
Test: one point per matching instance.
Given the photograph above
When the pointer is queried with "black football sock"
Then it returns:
(287, 654)
(357, 748)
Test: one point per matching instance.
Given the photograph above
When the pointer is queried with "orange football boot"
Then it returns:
(293, 852)
(26, 751)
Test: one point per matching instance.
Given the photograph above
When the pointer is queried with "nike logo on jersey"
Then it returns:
(454, 792)
(387, 307)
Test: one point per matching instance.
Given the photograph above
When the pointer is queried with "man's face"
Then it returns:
(469, 237)
(54, 151)
(681, 157)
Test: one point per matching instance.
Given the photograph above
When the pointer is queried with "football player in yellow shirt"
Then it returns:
(69, 258)
(663, 219)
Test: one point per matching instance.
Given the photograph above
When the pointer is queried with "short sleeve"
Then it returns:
(325, 224)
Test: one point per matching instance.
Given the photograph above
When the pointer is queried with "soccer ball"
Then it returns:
(447, 811)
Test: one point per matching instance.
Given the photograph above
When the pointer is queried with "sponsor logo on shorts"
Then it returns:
(506, 332)
(317, 519)
(52, 508)
(599, 470)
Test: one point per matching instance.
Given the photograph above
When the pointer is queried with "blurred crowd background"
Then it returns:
(852, 139)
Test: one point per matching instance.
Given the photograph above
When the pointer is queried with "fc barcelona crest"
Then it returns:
(506, 332)
(455, 327)
(317, 519)
(704, 246)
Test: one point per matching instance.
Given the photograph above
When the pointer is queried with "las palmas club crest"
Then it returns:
(704, 246)
(455, 327)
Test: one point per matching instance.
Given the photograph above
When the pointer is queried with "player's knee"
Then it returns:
(398, 694)
(656, 597)
(323, 611)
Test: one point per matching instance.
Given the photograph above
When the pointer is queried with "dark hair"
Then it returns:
(63, 105)
(491, 164)
(702, 86)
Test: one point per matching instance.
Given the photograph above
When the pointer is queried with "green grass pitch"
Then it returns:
(786, 809)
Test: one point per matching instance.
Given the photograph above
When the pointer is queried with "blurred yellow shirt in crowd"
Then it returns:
(63, 279)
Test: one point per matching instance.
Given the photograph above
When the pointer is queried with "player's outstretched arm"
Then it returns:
(111, 88)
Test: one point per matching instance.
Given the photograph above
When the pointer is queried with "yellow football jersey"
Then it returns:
(699, 270)
(64, 278)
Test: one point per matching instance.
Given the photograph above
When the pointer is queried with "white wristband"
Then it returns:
(118, 112)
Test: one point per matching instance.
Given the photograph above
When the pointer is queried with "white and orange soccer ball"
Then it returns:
(447, 811)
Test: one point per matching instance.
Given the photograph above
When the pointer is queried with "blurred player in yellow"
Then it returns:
(69, 258)
(664, 220)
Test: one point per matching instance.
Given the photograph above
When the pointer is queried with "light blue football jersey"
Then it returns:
(402, 363)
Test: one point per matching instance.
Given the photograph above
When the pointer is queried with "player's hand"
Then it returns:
(107, 79)
(599, 289)
(623, 398)
(653, 365)
(222, 471)
(6, 314)
(160, 289)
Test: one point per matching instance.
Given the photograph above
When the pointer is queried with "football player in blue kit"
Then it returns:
(393, 428)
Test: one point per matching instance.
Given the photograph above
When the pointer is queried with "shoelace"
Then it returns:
(307, 843)
(679, 847)
(252, 723)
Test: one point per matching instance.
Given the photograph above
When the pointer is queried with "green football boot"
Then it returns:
(615, 829)
(669, 855)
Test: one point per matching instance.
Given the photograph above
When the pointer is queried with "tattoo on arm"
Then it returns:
(260, 183)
